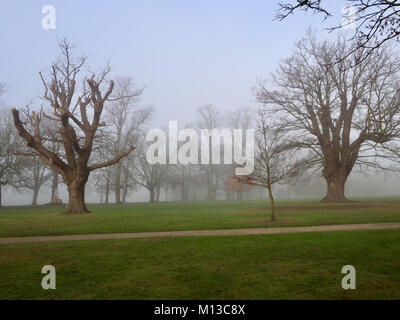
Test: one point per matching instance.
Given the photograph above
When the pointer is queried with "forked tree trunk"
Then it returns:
(76, 201)
(60, 92)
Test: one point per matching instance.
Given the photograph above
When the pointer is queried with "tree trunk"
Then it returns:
(124, 195)
(183, 198)
(272, 203)
(35, 196)
(335, 184)
(117, 187)
(152, 198)
(107, 191)
(76, 201)
(211, 192)
(126, 187)
(0, 196)
(54, 189)
(117, 195)
(158, 194)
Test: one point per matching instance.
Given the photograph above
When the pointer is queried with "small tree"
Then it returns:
(273, 161)
(78, 117)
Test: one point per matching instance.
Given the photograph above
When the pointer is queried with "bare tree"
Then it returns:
(127, 184)
(209, 118)
(103, 183)
(78, 117)
(376, 21)
(124, 121)
(273, 162)
(32, 176)
(242, 118)
(146, 175)
(54, 139)
(9, 144)
(102, 179)
(336, 116)
(55, 196)
(181, 177)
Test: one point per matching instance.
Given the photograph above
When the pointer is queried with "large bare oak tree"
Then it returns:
(336, 116)
(78, 117)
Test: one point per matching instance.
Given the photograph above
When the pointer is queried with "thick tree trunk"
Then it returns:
(35, 196)
(117, 195)
(335, 184)
(76, 202)
(152, 195)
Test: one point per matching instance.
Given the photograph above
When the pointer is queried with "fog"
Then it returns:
(186, 56)
(358, 186)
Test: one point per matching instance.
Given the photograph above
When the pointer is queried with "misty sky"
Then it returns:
(186, 53)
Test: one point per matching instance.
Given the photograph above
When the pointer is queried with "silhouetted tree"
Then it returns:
(375, 21)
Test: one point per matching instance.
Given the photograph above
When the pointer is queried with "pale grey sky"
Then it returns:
(186, 53)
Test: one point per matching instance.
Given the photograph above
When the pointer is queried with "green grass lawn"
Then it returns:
(141, 217)
(283, 266)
